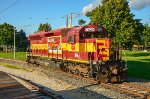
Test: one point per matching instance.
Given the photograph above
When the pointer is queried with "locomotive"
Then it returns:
(81, 50)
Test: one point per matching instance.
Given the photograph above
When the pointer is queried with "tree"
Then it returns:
(6, 35)
(146, 36)
(116, 17)
(139, 28)
(81, 22)
(21, 41)
(45, 27)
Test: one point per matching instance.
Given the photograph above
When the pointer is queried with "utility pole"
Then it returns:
(71, 19)
(67, 21)
(14, 43)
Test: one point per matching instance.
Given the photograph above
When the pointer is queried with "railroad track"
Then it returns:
(41, 92)
(131, 89)
(126, 88)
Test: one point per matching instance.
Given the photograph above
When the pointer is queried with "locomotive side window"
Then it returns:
(88, 35)
(91, 32)
(82, 36)
(71, 39)
(85, 35)
(97, 35)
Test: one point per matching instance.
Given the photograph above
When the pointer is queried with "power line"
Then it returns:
(31, 18)
(75, 15)
(9, 6)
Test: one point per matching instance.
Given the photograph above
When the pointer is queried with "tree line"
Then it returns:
(116, 17)
(7, 38)
(21, 41)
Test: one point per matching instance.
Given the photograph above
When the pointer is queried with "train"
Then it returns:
(85, 51)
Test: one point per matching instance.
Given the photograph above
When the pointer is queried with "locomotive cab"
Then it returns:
(104, 56)
(96, 42)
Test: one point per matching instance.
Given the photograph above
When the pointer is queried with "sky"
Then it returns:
(28, 14)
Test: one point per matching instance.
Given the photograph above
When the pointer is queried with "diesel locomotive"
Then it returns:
(81, 50)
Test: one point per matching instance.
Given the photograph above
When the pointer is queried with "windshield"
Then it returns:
(89, 35)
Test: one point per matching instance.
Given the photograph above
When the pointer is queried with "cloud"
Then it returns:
(91, 6)
(133, 4)
(139, 4)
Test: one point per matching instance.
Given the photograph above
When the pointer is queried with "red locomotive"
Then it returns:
(82, 50)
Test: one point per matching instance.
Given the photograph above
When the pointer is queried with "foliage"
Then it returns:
(146, 35)
(21, 41)
(81, 22)
(45, 27)
(138, 32)
(115, 15)
(6, 34)
(7, 37)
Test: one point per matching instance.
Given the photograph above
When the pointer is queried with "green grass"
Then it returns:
(14, 67)
(19, 55)
(9, 66)
(138, 64)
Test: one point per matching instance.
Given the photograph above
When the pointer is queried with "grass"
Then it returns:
(14, 67)
(138, 64)
(19, 55)
(9, 66)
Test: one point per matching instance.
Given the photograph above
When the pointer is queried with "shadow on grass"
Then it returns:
(139, 54)
(138, 69)
(148, 60)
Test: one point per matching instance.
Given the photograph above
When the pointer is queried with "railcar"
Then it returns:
(82, 50)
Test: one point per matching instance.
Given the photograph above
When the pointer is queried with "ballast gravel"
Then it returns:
(68, 87)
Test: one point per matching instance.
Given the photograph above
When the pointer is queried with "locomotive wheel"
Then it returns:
(67, 69)
(62, 67)
(103, 76)
(77, 72)
(124, 76)
(90, 75)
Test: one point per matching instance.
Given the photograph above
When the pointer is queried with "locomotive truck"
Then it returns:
(81, 50)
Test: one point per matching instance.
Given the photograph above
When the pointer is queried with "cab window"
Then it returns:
(97, 35)
(89, 35)
(82, 36)
(85, 35)
(71, 39)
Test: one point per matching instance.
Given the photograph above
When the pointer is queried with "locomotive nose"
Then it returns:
(103, 46)
(115, 70)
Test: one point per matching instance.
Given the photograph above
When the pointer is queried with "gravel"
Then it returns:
(68, 87)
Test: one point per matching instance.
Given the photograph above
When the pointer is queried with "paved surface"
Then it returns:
(12, 89)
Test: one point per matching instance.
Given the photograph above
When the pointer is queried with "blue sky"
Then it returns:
(28, 14)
